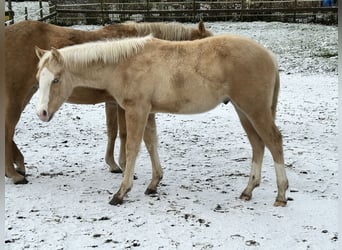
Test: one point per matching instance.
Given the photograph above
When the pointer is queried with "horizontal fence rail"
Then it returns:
(107, 11)
(192, 11)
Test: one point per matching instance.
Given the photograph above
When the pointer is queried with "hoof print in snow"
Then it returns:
(132, 243)
(252, 243)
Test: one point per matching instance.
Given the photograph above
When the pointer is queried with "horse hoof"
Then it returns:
(116, 170)
(279, 203)
(245, 197)
(116, 201)
(22, 181)
(150, 191)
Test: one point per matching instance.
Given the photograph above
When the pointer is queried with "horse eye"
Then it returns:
(55, 80)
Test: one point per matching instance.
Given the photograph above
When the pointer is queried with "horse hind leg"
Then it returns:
(112, 130)
(271, 136)
(150, 139)
(123, 136)
(258, 148)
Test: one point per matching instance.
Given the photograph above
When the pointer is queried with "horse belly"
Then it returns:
(198, 106)
(185, 101)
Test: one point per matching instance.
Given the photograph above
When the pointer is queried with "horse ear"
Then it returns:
(201, 26)
(40, 52)
(56, 55)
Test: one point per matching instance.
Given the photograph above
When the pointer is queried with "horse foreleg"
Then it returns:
(13, 112)
(18, 159)
(123, 137)
(136, 118)
(150, 139)
(258, 149)
(10, 147)
(112, 130)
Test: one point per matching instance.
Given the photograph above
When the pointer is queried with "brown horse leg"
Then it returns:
(13, 154)
(123, 137)
(10, 171)
(112, 130)
(258, 148)
(268, 131)
(150, 139)
(136, 118)
(18, 159)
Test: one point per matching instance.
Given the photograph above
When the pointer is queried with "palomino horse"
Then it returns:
(21, 83)
(147, 75)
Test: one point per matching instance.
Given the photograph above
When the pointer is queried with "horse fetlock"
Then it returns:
(161, 176)
(16, 176)
(122, 164)
(114, 168)
(21, 172)
(283, 186)
(160, 173)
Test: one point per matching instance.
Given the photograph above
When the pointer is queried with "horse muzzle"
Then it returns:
(44, 115)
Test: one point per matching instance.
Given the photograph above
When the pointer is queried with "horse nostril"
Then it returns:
(44, 113)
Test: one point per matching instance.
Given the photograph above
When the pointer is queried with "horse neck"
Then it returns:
(91, 76)
(72, 36)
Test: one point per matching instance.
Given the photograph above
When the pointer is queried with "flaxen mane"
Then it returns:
(165, 31)
(109, 52)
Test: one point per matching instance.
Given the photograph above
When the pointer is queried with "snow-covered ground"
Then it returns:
(206, 162)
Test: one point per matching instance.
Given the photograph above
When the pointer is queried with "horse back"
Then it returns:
(211, 69)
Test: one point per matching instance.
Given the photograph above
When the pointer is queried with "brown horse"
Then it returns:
(21, 84)
(148, 75)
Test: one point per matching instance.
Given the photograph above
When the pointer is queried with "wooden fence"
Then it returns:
(321, 11)
(39, 12)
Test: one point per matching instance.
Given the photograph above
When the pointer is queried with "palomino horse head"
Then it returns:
(60, 71)
(51, 78)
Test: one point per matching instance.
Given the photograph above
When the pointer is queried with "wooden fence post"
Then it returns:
(26, 13)
(242, 9)
(102, 13)
(295, 11)
(10, 14)
(147, 9)
(40, 8)
(193, 10)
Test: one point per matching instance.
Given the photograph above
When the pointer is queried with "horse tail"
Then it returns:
(276, 89)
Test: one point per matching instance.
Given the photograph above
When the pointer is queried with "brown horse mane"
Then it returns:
(108, 52)
(166, 31)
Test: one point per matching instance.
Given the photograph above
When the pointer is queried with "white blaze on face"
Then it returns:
(45, 80)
